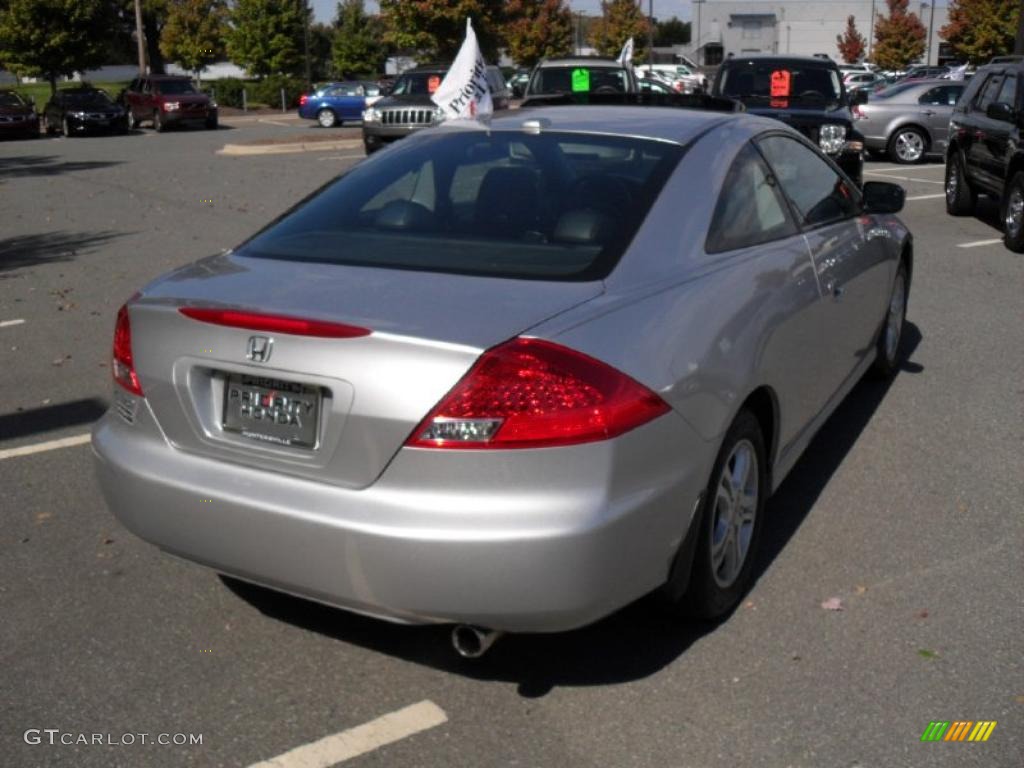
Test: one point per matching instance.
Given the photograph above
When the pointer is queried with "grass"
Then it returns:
(39, 93)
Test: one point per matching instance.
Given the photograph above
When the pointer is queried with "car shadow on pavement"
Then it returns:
(33, 421)
(47, 165)
(988, 212)
(631, 644)
(48, 247)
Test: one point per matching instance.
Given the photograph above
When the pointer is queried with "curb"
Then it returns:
(280, 149)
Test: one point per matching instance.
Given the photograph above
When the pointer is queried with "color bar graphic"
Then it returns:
(958, 730)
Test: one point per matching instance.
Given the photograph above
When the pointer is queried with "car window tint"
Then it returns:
(547, 207)
(988, 92)
(942, 96)
(1008, 91)
(819, 194)
(749, 210)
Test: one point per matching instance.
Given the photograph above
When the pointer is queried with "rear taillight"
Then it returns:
(123, 366)
(303, 99)
(529, 393)
(858, 113)
(254, 321)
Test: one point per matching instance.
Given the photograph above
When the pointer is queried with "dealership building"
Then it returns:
(802, 27)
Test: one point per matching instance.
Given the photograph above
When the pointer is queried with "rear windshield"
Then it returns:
(781, 80)
(579, 80)
(497, 203)
(174, 87)
(417, 83)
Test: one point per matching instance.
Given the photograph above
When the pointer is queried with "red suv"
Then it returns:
(167, 100)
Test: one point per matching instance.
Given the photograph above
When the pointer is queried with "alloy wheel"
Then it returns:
(952, 183)
(734, 512)
(1014, 220)
(909, 146)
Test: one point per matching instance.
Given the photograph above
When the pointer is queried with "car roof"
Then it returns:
(428, 68)
(659, 123)
(581, 61)
(775, 57)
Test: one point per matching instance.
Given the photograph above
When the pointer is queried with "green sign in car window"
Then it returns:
(580, 80)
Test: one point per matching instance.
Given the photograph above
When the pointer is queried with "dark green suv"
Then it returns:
(985, 154)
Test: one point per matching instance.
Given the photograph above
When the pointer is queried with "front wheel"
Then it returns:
(887, 360)
(326, 118)
(132, 122)
(960, 198)
(731, 521)
(907, 146)
(1013, 215)
(65, 128)
(211, 123)
(158, 122)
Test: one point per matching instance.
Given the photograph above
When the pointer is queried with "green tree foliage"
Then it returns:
(321, 42)
(981, 29)
(620, 20)
(54, 38)
(537, 29)
(899, 37)
(357, 48)
(851, 43)
(194, 33)
(436, 28)
(267, 36)
(672, 32)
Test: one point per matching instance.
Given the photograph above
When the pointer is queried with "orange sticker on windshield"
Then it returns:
(434, 82)
(780, 83)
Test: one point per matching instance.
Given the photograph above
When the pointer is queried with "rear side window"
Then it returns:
(750, 209)
(943, 96)
(497, 203)
(1008, 91)
(989, 91)
(819, 194)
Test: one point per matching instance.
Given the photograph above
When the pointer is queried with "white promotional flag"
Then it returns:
(626, 54)
(958, 73)
(464, 91)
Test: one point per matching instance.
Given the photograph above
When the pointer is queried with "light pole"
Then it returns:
(696, 46)
(931, 25)
(871, 31)
(650, 35)
(141, 38)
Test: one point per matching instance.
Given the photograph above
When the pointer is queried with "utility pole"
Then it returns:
(650, 35)
(1019, 45)
(871, 31)
(305, 41)
(696, 46)
(931, 25)
(141, 37)
(579, 32)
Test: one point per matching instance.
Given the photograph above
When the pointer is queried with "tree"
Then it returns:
(620, 20)
(436, 28)
(672, 32)
(194, 33)
(356, 48)
(981, 29)
(899, 37)
(321, 44)
(54, 38)
(267, 36)
(538, 29)
(851, 43)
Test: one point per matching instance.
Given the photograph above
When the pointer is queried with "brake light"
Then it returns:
(303, 99)
(123, 366)
(530, 393)
(253, 321)
(858, 113)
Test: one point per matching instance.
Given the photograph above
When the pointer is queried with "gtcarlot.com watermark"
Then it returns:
(55, 736)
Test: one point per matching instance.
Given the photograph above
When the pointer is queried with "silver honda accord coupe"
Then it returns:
(510, 376)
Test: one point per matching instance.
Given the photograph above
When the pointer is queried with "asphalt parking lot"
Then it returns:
(906, 508)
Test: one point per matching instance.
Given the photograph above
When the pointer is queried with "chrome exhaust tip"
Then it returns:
(473, 642)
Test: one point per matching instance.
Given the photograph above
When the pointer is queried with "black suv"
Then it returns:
(804, 92)
(985, 153)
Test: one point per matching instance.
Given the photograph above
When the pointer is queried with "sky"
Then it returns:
(325, 9)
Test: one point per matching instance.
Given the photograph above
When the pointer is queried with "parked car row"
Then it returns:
(162, 101)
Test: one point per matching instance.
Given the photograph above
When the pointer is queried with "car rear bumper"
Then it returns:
(526, 541)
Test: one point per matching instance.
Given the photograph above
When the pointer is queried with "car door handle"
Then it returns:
(834, 290)
(929, 112)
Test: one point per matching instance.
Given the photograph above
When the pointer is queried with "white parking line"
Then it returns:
(8, 323)
(357, 741)
(978, 243)
(926, 197)
(49, 445)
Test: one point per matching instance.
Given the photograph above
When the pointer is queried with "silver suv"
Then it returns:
(581, 74)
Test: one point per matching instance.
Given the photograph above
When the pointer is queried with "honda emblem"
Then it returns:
(259, 348)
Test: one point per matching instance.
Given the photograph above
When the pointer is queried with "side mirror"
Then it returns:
(859, 97)
(883, 197)
(1000, 111)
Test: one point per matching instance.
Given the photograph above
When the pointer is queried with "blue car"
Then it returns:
(334, 103)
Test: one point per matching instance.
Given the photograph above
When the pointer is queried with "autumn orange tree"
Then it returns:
(436, 28)
(535, 29)
(620, 20)
(981, 29)
(899, 37)
(851, 43)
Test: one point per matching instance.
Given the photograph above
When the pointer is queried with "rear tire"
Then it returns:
(960, 198)
(731, 521)
(158, 123)
(65, 128)
(132, 122)
(887, 357)
(907, 146)
(1013, 214)
(326, 118)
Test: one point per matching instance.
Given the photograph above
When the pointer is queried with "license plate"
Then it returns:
(272, 411)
